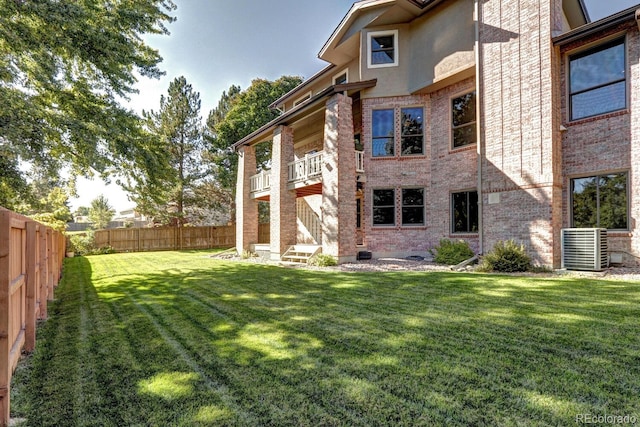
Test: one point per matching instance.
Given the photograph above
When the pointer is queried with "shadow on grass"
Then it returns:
(178, 339)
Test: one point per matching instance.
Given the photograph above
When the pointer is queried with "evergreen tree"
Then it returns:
(170, 192)
(100, 212)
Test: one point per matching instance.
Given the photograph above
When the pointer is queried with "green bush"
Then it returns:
(507, 257)
(451, 253)
(82, 244)
(103, 251)
(322, 260)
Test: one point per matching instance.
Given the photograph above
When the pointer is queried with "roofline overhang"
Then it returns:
(293, 92)
(585, 12)
(264, 132)
(594, 27)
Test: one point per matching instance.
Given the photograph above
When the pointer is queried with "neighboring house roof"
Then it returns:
(266, 131)
(633, 13)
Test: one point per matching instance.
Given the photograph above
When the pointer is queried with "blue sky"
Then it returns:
(217, 43)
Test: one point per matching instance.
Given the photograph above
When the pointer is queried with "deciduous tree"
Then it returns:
(64, 67)
(236, 116)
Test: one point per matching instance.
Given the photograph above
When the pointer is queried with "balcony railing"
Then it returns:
(306, 168)
(301, 170)
(360, 161)
(261, 181)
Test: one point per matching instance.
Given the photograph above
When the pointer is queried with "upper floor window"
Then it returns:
(597, 83)
(463, 120)
(412, 131)
(302, 99)
(341, 78)
(382, 133)
(600, 201)
(383, 49)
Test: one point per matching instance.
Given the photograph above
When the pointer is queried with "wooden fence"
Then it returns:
(172, 238)
(31, 258)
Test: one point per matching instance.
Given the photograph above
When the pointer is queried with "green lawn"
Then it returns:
(176, 338)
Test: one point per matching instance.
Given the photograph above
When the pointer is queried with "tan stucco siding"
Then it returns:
(441, 44)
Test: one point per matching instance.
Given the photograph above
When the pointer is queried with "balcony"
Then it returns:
(305, 171)
(261, 182)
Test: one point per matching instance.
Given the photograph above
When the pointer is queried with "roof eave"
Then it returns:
(594, 27)
(263, 132)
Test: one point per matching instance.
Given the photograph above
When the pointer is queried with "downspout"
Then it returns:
(476, 16)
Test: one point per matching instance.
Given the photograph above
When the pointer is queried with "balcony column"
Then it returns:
(282, 201)
(246, 206)
(339, 181)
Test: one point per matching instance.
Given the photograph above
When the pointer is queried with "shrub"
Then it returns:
(507, 257)
(247, 254)
(451, 253)
(82, 244)
(322, 260)
(103, 251)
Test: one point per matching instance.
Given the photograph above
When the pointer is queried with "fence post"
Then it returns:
(50, 262)
(31, 283)
(44, 272)
(5, 345)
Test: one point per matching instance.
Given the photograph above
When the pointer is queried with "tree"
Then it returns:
(177, 130)
(236, 116)
(64, 66)
(100, 212)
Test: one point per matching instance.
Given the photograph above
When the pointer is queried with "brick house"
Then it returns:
(459, 119)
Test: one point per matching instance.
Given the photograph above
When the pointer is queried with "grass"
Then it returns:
(176, 338)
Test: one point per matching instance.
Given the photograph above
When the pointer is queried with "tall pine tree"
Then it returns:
(170, 192)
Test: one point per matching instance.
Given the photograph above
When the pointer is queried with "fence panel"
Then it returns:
(30, 267)
(166, 238)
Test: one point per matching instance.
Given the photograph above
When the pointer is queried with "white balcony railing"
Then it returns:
(301, 170)
(360, 161)
(306, 168)
(261, 181)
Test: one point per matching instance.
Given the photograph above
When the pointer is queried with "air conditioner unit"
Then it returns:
(584, 249)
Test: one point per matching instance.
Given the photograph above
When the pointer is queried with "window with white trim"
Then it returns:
(341, 78)
(302, 99)
(383, 49)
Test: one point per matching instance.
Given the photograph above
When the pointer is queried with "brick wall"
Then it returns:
(521, 126)
(606, 143)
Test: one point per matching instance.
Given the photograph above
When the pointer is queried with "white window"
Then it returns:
(383, 49)
(302, 99)
(341, 78)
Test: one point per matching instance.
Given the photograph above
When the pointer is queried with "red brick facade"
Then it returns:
(528, 150)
